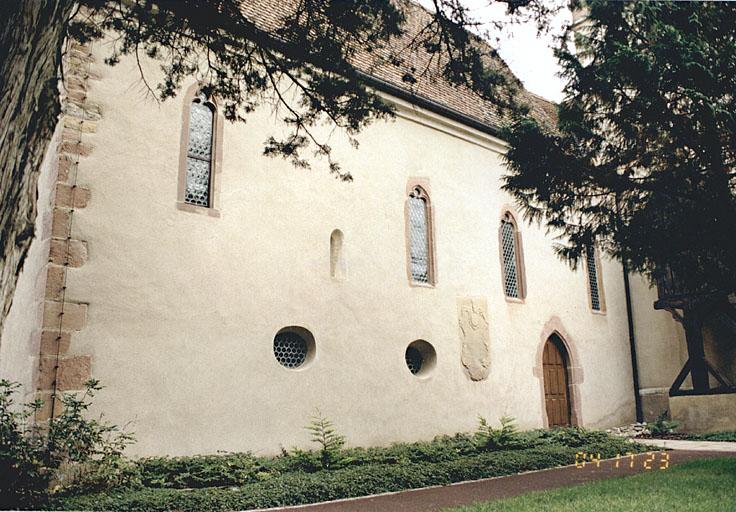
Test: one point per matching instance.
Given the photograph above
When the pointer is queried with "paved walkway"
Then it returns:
(466, 493)
(702, 446)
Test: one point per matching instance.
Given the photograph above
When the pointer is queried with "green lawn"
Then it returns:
(707, 485)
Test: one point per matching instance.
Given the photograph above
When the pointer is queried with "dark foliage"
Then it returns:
(508, 437)
(249, 481)
(199, 471)
(302, 56)
(714, 436)
(276, 482)
(31, 37)
(643, 161)
(663, 424)
(71, 451)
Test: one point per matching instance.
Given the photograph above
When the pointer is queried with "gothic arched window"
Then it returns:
(511, 258)
(419, 224)
(199, 153)
(595, 288)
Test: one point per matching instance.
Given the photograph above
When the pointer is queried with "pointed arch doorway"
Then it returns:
(557, 396)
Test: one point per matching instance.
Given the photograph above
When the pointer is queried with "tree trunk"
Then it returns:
(31, 39)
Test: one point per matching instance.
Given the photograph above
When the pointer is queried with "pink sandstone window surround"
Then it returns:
(200, 156)
(512, 260)
(199, 153)
(419, 234)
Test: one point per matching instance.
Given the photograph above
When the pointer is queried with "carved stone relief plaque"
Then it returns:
(474, 337)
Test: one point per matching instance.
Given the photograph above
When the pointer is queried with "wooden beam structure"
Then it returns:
(691, 309)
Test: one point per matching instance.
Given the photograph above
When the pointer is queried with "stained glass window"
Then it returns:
(510, 263)
(199, 154)
(595, 297)
(419, 236)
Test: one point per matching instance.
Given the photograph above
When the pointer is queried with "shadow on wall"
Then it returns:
(719, 335)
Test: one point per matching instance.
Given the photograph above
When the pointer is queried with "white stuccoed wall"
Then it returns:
(183, 308)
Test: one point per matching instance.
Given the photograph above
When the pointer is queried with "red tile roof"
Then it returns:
(430, 86)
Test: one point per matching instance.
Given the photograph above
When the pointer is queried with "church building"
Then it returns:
(221, 297)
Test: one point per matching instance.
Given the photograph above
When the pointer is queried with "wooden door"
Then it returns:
(556, 389)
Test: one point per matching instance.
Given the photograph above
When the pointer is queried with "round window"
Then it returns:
(420, 358)
(413, 360)
(293, 346)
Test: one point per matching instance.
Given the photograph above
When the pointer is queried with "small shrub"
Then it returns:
(22, 476)
(663, 424)
(324, 434)
(504, 438)
(69, 454)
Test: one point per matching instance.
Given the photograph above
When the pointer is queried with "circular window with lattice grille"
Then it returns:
(293, 347)
(420, 358)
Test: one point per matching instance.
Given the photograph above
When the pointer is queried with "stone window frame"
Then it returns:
(599, 279)
(216, 163)
(508, 215)
(423, 185)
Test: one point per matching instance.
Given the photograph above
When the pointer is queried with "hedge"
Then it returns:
(355, 479)
(714, 436)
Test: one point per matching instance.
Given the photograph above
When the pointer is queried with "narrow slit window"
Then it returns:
(419, 242)
(591, 264)
(510, 252)
(199, 153)
(337, 260)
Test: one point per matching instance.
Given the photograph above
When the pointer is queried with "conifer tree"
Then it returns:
(643, 159)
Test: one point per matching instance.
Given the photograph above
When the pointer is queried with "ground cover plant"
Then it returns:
(663, 424)
(713, 436)
(693, 486)
(727, 436)
(243, 481)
